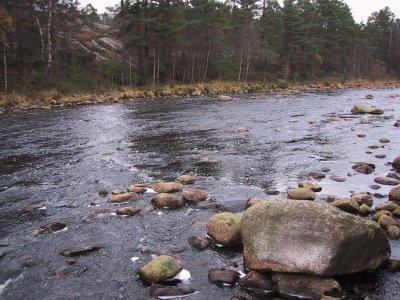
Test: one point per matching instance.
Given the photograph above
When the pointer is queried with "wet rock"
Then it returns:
(396, 213)
(385, 221)
(389, 206)
(394, 175)
(194, 195)
(394, 194)
(361, 135)
(363, 198)
(223, 276)
(167, 187)
(186, 179)
(312, 120)
(255, 281)
(51, 228)
(272, 191)
(369, 97)
(127, 211)
(309, 185)
(364, 210)
(386, 181)
(301, 194)
(126, 197)
(71, 261)
(34, 206)
(375, 187)
(80, 252)
(165, 200)
(159, 269)
(397, 124)
(318, 175)
(224, 228)
(384, 140)
(103, 193)
(29, 263)
(137, 189)
(380, 156)
(224, 98)
(309, 237)
(169, 292)
(392, 265)
(374, 147)
(396, 163)
(98, 214)
(329, 198)
(338, 178)
(381, 213)
(119, 191)
(297, 286)
(253, 201)
(200, 243)
(348, 205)
(393, 232)
(364, 168)
(242, 130)
(361, 109)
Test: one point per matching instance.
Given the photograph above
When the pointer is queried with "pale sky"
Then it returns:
(361, 9)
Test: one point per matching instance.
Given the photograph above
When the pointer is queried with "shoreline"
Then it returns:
(52, 99)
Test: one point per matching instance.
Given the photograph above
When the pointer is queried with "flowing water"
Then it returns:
(61, 158)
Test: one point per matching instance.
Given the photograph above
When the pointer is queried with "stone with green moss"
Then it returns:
(160, 269)
(361, 109)
(225, 228)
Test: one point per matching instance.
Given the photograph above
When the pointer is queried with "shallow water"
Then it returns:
(62, 157)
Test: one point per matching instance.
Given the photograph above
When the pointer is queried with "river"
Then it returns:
(62, 157)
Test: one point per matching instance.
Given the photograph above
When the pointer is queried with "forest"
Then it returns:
(60, 45)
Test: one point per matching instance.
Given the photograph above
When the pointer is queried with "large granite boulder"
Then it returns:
(312, 238)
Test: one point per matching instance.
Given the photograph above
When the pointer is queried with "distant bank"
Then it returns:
(52, 98)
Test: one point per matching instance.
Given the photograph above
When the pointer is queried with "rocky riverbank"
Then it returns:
(49, 99)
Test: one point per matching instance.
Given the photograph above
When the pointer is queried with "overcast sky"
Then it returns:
(361, 9)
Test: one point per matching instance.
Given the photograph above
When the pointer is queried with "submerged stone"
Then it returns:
(223, 276)
(186, 179)
(364, 168)
(295, 286)
(255, 281)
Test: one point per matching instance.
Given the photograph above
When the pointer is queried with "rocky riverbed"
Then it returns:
(80, 214)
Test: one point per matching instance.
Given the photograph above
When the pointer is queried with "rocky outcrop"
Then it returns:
(308, 237)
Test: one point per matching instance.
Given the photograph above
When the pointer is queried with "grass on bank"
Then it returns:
(53, 97)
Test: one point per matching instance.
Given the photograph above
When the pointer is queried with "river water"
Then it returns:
(62, 157)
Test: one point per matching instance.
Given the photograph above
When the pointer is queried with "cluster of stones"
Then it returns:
(172, 195)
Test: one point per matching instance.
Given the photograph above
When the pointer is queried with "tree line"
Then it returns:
(187, 41)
